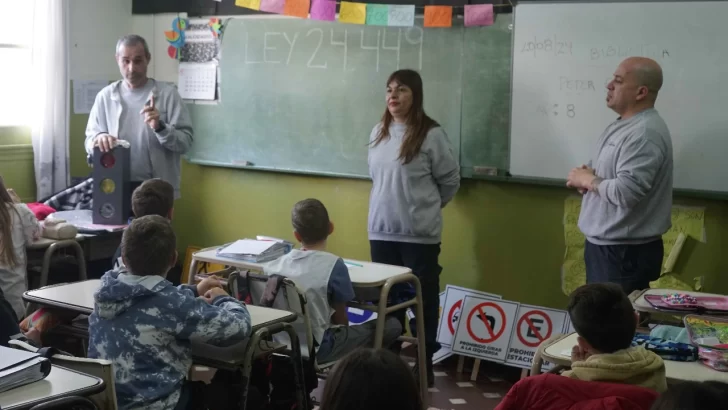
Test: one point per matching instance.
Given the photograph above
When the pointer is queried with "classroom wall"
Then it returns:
(16, 161)
(499, 237)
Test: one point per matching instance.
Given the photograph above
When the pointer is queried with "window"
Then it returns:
(15, 62)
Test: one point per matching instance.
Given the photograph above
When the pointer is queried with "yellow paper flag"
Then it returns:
(248, 4)
(353, 13)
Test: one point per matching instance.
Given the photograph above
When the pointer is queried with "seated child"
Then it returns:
(694, 396)
(324, 278)
(605, 321)
(144, 325)
(152, 197)
(18, 228)
(369, 379)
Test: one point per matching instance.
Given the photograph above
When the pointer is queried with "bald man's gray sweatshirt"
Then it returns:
(407, 199)
(633, 204)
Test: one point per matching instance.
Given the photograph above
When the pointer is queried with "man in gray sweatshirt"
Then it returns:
(627, 186)
(147, 113)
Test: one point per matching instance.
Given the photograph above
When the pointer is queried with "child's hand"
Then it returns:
(207, 284)
(211, 294)
(578, 355)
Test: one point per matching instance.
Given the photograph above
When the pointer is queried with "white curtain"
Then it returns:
(50, 96)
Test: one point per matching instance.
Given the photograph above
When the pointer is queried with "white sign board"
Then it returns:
(533, 325)
(450, 312)
(485, 327)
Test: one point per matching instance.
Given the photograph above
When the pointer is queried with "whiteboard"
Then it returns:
(565, 53)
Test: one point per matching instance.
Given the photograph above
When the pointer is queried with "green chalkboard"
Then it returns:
(303, 96)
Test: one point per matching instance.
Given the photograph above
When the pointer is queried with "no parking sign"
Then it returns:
(533, 326)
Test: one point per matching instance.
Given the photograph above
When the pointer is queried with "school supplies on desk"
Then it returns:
(256, 251)
(18, 368)
(689, 303)
(710, 335)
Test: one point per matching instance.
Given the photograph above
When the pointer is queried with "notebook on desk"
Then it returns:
(19, 367)
(256, 251)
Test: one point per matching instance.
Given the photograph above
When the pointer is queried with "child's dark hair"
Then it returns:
(153, 197)
(693, 396)
(371, 379)
(148, 245)
(603, 315)
(311, 220)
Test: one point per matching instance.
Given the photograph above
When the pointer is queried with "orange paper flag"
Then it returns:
(297, 8)
(438, 16)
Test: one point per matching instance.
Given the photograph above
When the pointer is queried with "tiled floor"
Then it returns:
(455, 391)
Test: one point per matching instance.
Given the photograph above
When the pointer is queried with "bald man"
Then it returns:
(627, 187)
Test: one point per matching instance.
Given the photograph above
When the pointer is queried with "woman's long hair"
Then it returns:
(7, 253)
(418, 123)
(371, 379)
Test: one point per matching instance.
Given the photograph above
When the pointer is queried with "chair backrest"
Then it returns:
(103, 369)
(289, 298)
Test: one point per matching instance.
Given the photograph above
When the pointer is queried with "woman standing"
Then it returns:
(414, 176)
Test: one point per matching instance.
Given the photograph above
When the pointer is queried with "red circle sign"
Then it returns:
(540, 336)
(493, 335)
(455, 306)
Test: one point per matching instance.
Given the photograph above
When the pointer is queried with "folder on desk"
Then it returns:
(256, 251)
(19, 367)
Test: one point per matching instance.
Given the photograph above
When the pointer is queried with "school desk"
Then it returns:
(60, 382)
(556, 349)
(641, 305)
(78, 297)
(367, 277)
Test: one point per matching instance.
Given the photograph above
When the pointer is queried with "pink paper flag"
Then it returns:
(323, 10)
(272, 6)
(478, 15)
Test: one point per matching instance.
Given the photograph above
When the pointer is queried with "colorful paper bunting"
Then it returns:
(401, 16)
(248, 4)
(377, 14)
(297, 8)
(438, 16)
(324, 10)
(354, 13)
(478, 15)
(272, 6)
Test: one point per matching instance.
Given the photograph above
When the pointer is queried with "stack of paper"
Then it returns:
(257, 251)
(18, 368)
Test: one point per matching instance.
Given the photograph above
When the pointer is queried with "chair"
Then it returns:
(292, 299)
(67, 403)
(105, 400)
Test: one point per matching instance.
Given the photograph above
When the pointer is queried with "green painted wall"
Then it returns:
(499, 237)
(16, 161)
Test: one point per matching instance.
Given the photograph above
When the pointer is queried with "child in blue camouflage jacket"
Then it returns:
(143, 324)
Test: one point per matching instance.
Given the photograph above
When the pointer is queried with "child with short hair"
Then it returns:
(144, 325)
(324, 278)
(369, 379)
(605, 321)
(153, 197)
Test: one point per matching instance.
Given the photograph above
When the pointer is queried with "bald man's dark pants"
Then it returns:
(631, 266)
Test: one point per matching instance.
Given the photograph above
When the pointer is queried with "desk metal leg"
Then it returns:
(249, 356)
(193, 269)
(48, 255)
(383, 310)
